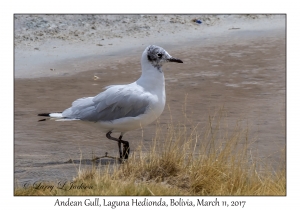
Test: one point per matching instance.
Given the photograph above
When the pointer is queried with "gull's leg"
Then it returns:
(125, 145)
(126, 149)
(115, 139)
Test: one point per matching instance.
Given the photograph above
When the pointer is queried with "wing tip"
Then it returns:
(44, 114)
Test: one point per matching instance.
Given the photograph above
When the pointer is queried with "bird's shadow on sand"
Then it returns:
(92, 162)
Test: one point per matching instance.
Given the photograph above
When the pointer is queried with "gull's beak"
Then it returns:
(175, 60)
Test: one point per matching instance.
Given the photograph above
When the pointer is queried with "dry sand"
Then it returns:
(233, 61)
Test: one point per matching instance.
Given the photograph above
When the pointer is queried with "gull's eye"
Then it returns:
(159, 55)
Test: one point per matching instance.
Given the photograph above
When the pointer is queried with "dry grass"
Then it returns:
(184, 161)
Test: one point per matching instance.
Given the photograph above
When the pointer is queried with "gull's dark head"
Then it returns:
(157, 56)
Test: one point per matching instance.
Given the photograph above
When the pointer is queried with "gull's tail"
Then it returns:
(52, 115)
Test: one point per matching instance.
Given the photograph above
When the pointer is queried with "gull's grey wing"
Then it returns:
(116, 102)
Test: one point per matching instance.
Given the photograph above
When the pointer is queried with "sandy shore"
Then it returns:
(60, 45)
(236, 62)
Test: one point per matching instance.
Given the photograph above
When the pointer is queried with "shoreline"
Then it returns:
(54, 57)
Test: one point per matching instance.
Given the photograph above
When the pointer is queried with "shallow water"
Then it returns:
(245, 74)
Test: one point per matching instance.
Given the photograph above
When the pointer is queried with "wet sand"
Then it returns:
(244, 74)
